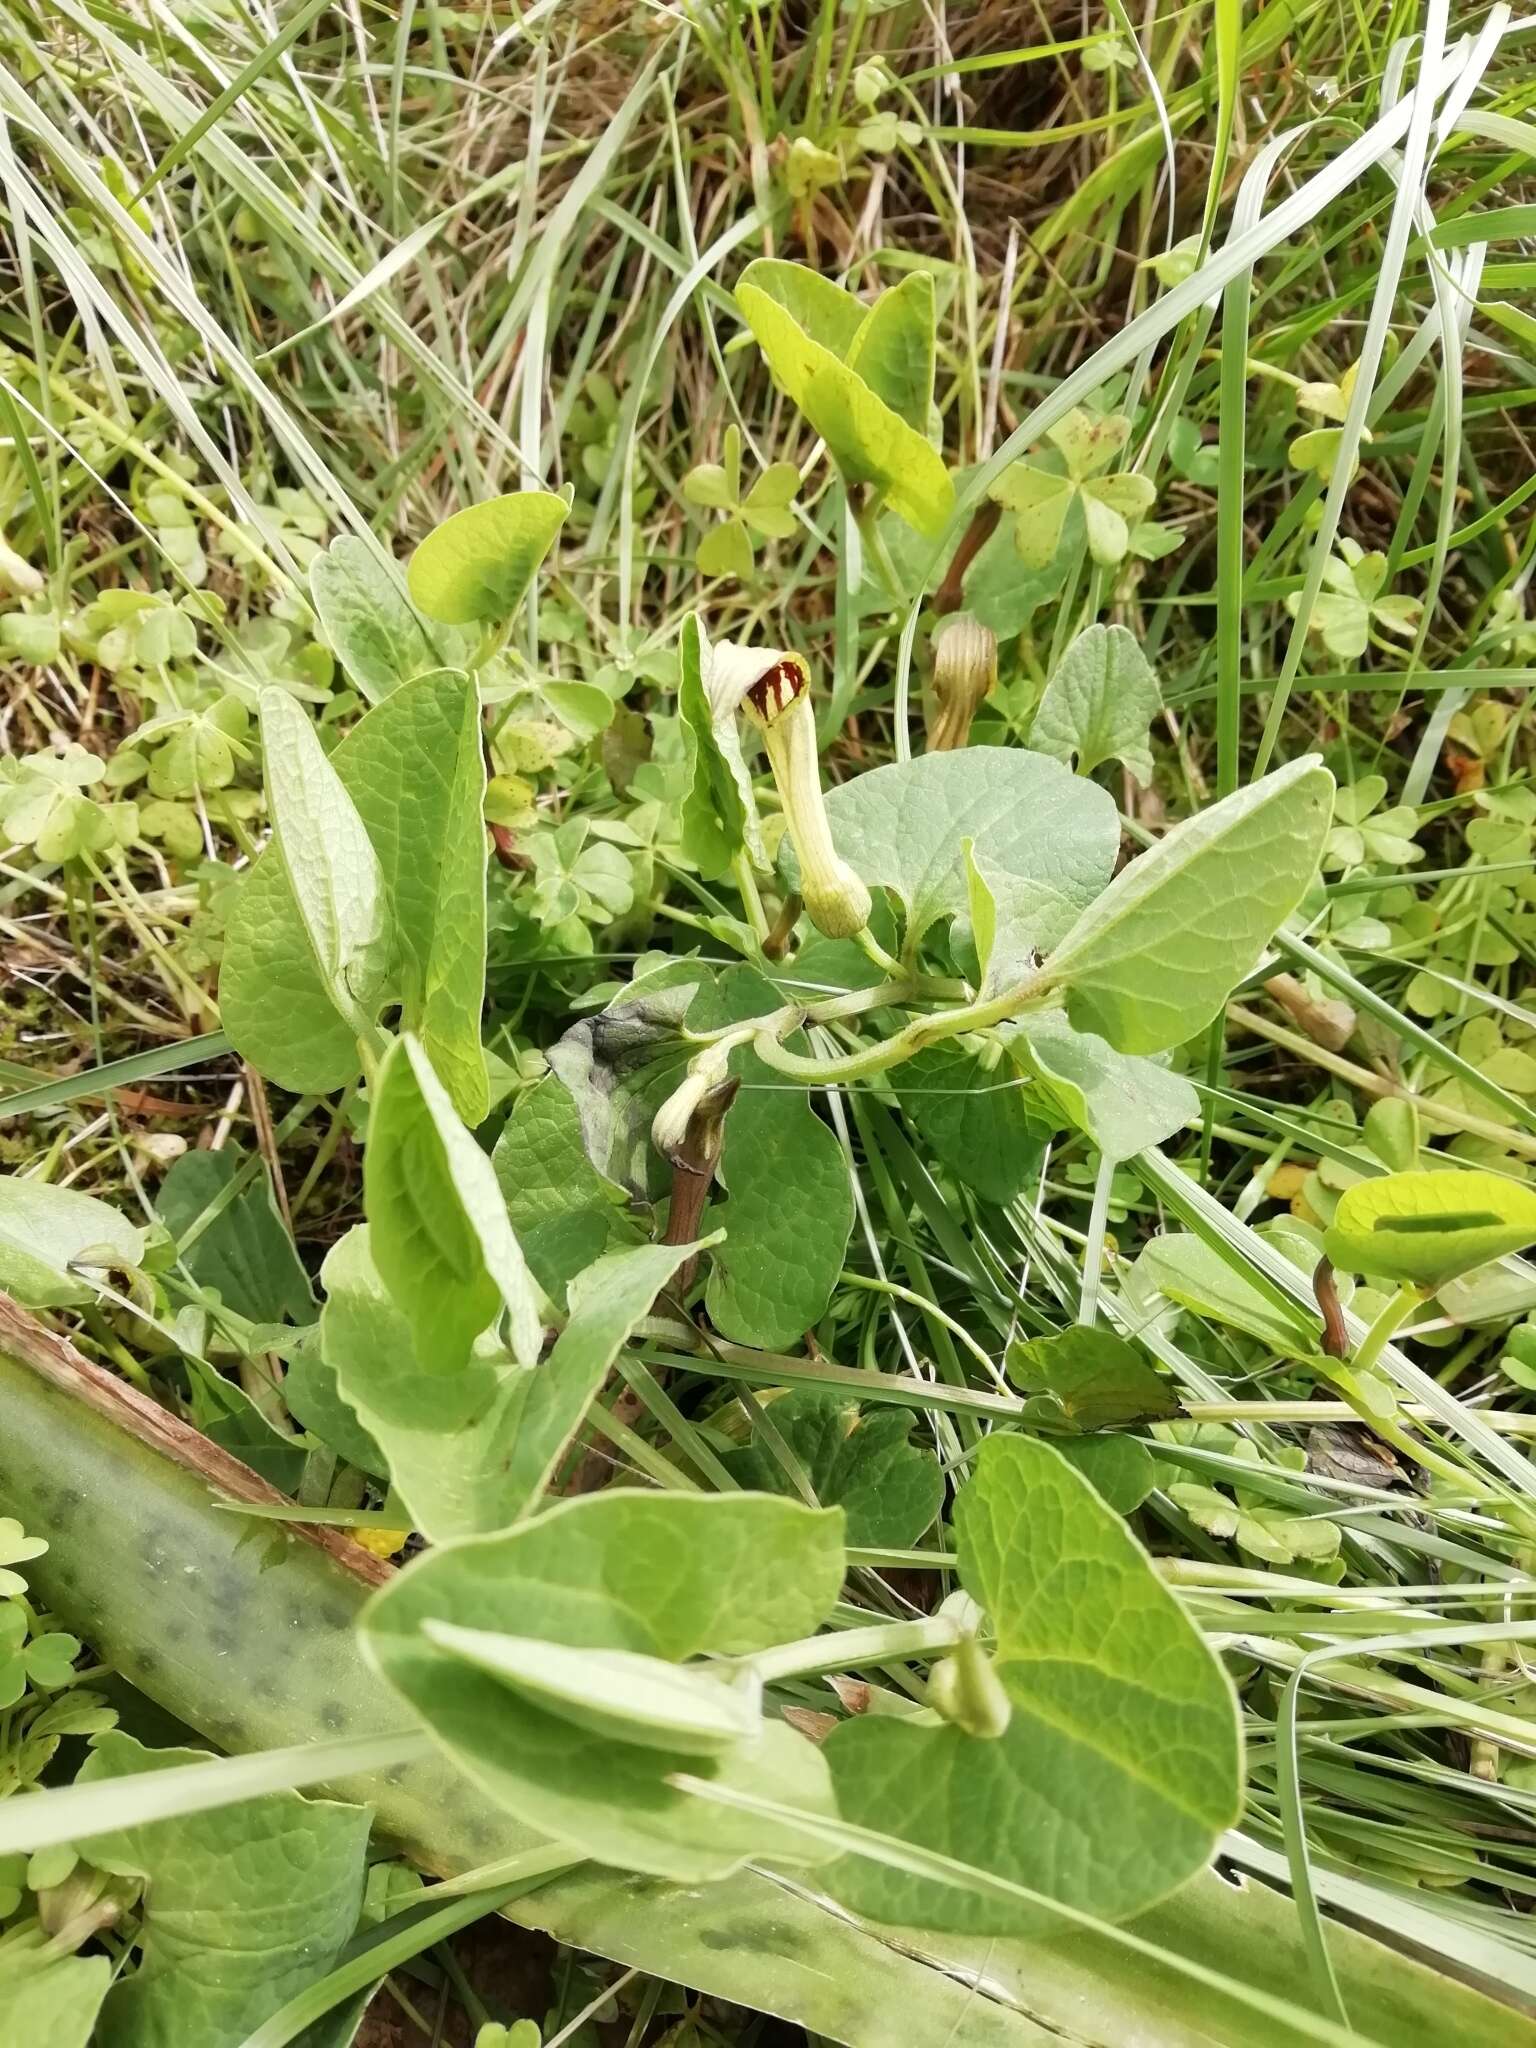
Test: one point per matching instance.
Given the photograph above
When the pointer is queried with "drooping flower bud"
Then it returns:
(964, 674)
(687, 1127)
(18, 575)
(773, 689)
(966, 1690)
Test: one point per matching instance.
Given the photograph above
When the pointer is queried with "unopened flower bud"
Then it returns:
(966, 1690)
(964, 674)
(689, 1127)
(18, 575)
(779, 705)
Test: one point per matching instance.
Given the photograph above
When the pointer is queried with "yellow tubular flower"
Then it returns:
(773, 689)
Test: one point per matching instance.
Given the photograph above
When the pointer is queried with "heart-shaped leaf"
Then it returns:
(904, 825)
(1423, 1229)
(659, 1576)
(1122, 1103)
(1157, 954)
(1120, 1765)
(1090, 1379)
(478, 564)
(1098, 704)
(857, 1459)
(53, 1241)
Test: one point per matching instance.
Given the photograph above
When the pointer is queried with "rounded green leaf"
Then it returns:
(1120, 1766)
(1423, 1229)
(478, 564)
(1160, 951)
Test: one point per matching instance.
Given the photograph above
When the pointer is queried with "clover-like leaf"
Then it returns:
(1422, 1229)
(1120, 1764)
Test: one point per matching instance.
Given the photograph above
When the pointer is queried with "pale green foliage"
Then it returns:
(1154, 958)
(667, 1577)
(1354, 601)
(1422, 1229)
(43, 804)
(1114, 503)
(764, 510)
(56, 1243)
(1098, 705)
(479, 563)
(1123, 1739)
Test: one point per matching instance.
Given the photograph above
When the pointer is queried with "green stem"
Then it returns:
(886, 1642)
(912, 1038)
(752, 902)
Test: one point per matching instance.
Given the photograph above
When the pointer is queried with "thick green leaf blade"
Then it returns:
(1124, 1104)
(244, 1254)
(50, 1999)
(904, 825)
(664, 1576)
(1156, 956)
(54, 1240)
(893, 350)
(780, 1166)
(376, 636)
(244, 1905)
(976, 1117)
(418, 777)
(337, 882)
(479, 563)
(828, 314)
(412, 767)
(1099, 704)
(436, 1220)
(1090, 1379)
(858, 1459)
(565, 1212)
(1120, 1767)
(1423, 1229)
(868, 442)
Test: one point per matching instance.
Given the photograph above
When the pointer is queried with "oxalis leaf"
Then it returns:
(1098, 704)
(413, 768)
(858, 1459)
(244, 1905)
(667, 1577)
(472, 1451)
(478, 564)
(1423, 1229)
(869, 442)
(1120, 1766)
(1159, 952)
(437, 1225)
(332, 868)
(905, 825)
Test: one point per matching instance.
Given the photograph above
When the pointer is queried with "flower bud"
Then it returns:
(966, 1690)
(964, 674)
(17, 575)
(688, 1128)
(779, 705)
